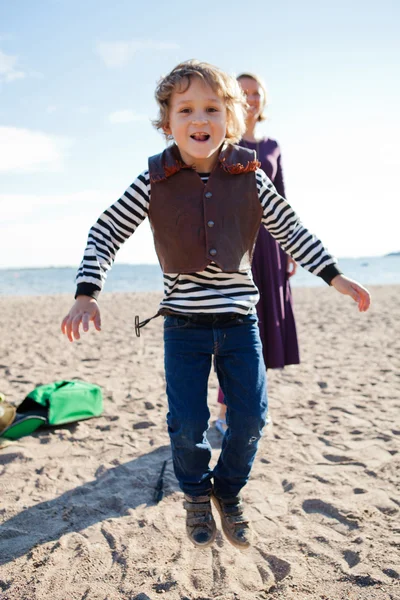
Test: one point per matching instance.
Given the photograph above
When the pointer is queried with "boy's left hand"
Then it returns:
(348, 287)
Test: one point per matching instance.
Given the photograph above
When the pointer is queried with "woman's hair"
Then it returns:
(257, 79)
(179, 79)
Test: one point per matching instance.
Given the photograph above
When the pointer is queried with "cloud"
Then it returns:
(126, 116)
(27, 150)
(8, 71)
(42, 230)
(20, 208)
(117, 54)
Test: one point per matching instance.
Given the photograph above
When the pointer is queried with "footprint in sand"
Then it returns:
(143, 425)
(287, 485)
(343, 460)
(241, 573)
(220, 571)
(352, 558)
(391, 573)
(328, 511)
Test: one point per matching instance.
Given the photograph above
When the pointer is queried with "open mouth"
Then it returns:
(200, 137)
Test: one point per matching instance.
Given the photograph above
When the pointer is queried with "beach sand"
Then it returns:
(77, 511)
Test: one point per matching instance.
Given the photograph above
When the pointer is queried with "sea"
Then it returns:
(384, 270)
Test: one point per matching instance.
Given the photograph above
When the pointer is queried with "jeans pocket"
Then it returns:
(245, 320)
(171, 322)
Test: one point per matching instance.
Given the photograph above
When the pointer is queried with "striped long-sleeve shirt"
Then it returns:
(212, 290)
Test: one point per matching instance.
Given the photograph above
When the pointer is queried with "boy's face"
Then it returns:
(197, 122)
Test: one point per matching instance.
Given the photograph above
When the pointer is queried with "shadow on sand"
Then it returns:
(128, 486)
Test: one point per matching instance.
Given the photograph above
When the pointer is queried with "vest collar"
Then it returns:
(231, 159)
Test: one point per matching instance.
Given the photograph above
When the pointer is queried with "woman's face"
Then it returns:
(254, 96)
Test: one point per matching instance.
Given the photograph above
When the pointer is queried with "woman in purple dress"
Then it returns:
(272, 268)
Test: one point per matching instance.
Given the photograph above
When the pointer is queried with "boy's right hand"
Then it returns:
(83, 311)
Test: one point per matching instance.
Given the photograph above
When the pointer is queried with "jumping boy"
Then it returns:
(205, 198)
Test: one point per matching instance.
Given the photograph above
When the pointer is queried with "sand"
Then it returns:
(77, 511)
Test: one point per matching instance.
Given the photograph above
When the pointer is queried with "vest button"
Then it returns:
(213, 252)
(208, 194)
(210, 223)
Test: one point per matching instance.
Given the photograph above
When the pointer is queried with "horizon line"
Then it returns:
(155, 264)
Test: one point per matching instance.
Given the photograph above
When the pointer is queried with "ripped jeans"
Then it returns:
(234, 341)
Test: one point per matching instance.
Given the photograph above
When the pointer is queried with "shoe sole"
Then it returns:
(226, 530)
(209, 543)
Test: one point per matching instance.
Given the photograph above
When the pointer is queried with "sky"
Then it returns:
(77, 80)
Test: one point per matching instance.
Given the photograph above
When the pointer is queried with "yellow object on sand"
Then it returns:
(7, 413)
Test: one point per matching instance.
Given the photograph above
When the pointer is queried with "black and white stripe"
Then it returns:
(212, 290)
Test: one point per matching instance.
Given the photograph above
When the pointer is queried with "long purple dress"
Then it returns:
(275, 308)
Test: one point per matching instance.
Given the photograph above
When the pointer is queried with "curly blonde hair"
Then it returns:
(178, 80)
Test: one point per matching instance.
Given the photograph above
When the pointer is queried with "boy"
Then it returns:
(205, 198)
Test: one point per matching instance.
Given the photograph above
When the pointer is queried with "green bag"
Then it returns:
(55, 404)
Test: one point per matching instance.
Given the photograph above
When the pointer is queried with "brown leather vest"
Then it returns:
(195, 224)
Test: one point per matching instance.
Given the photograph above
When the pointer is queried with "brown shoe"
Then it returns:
(200, 524)
(234, 525)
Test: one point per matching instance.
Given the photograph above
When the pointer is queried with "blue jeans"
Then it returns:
(189, 348)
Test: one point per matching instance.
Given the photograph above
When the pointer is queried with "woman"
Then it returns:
(272, 268)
